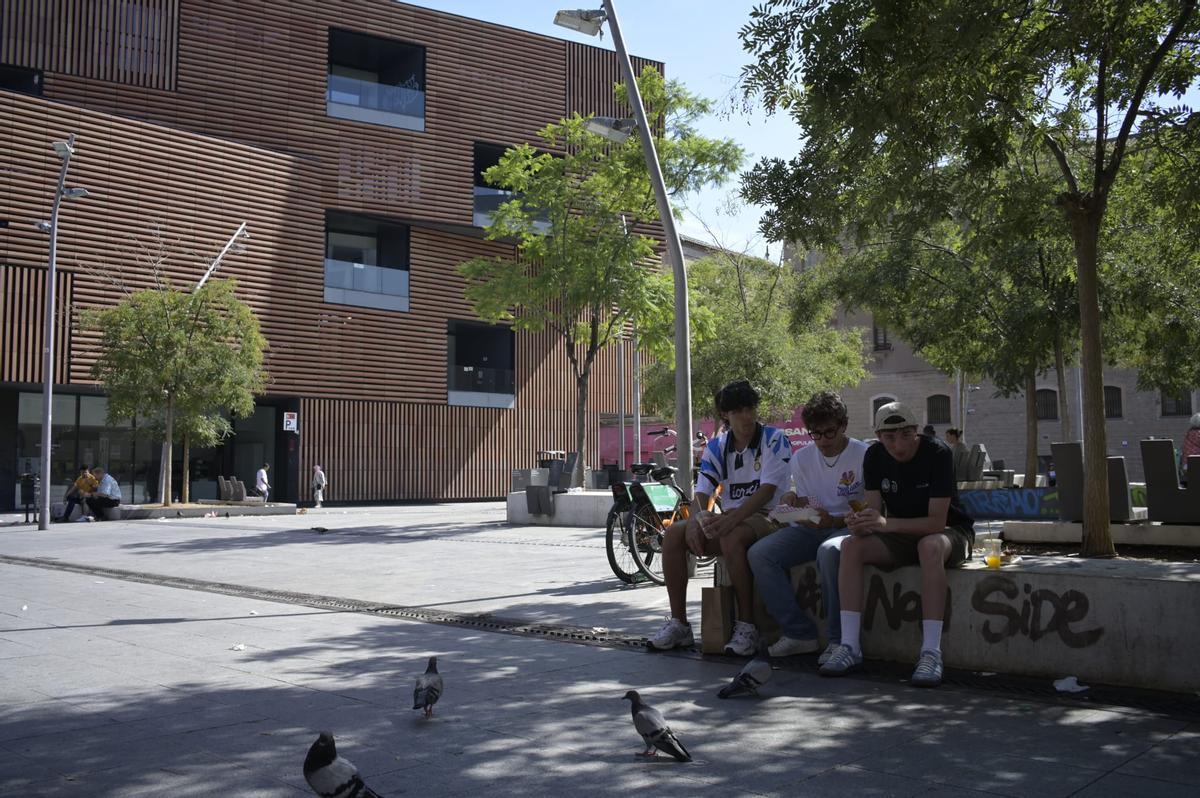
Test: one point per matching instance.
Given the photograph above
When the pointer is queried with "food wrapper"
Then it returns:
(785, 514)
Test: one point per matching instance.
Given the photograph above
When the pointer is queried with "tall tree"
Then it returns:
(178, 359)
(885, 93)
(763, 326)
(579, 217)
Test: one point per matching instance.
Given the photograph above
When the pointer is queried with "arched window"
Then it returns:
(937, 409)
(878, 402)
(1047, 404)
(1112, 402)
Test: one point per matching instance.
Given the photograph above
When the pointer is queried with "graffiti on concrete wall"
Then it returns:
(1011, 503)
(1014, 610)
(898, 605)
(808, 593)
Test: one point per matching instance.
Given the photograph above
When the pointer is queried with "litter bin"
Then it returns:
(28, 490)
(546, 457)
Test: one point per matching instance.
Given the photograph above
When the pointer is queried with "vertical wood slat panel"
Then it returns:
(23, 322)
(134, 43)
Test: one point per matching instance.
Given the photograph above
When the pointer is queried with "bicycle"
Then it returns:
(640, 515)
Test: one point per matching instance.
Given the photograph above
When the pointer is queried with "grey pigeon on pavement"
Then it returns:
(332, 776)
(753, 675)
(653, 727)
(428, 689)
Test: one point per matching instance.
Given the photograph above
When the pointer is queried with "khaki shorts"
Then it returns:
(760, 525)
(903, 548)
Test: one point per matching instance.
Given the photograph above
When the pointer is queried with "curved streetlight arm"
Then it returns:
(683, 356)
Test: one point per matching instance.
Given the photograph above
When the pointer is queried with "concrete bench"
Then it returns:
(1106, 621)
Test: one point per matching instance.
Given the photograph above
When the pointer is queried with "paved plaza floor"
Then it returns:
(115, 684)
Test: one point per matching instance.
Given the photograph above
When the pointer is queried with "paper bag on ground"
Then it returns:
(716, 619)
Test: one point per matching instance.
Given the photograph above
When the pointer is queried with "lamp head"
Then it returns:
(76, 192)
(63, 150)
(43, 225)
(582, 20)
(615, 130)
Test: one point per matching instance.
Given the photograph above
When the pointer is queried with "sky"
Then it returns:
(699, 44)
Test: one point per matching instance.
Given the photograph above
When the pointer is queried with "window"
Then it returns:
(27, 81)
(878, 402)
(479, 361)
(377, 80)
(1047, 404)
(879, 338)
(1112, 402)
(366, 262)
(487, 198)
(1176, 405)
(937, 409)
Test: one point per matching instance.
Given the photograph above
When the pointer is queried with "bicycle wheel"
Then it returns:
(648, 542)
(620, 552)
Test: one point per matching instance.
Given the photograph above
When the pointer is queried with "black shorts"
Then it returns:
(903, 547)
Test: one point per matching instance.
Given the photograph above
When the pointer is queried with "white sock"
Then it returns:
(850, 624)
(931, 635)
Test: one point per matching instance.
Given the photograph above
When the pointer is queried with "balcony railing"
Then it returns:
(482, 380)
(398, 106)
(362, 284)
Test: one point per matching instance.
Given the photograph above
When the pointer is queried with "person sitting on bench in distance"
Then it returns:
(825, 476)
(912, 476)
(751, 462)
(106, 495)
(83, 487)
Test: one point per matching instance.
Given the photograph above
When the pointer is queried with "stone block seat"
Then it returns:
(1098, 620)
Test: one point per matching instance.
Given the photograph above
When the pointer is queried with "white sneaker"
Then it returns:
(744, 641)
(790, 646)
(828, 652)
(674, 634)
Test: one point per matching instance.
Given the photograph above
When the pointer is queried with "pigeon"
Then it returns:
(753, 675)
(428, 689)
(653, 727)
(332, 776)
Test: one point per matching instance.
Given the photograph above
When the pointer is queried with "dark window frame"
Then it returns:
(1046, 401)
(1174, 406)
(937, 409)
(503, 379)
(1114, 406)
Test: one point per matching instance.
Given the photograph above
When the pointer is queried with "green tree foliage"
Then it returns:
(579, 218)
(887, 93)
(180, 361)
(754, 331)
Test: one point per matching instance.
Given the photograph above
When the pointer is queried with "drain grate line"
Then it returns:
(1173, 705)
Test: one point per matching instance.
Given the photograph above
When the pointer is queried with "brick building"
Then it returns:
(350, 136)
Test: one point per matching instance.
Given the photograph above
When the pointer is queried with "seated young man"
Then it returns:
(913, 477)
(751, 461)
(824, 476)
(83, 487)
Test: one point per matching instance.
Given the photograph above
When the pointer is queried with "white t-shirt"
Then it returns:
(763, 462)
(826, 486)
(260, 479)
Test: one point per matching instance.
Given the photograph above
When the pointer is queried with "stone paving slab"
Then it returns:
(119, 688)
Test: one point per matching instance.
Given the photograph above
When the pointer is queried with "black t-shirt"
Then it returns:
(908, 487)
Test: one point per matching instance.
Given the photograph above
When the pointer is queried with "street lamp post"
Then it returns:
(64, 150)
(589, 21)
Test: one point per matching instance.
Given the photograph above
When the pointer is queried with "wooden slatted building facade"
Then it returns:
(194, 115)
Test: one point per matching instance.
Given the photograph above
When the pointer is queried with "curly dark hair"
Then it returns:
(824, 407)
(735, 396)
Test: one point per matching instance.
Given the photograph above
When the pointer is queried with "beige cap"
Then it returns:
(894, 415)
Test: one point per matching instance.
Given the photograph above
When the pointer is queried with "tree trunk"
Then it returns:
(164, 473)
(1097, 537)
(1064, 403)
(581, 385)
(185, 494)
(1031, 430)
